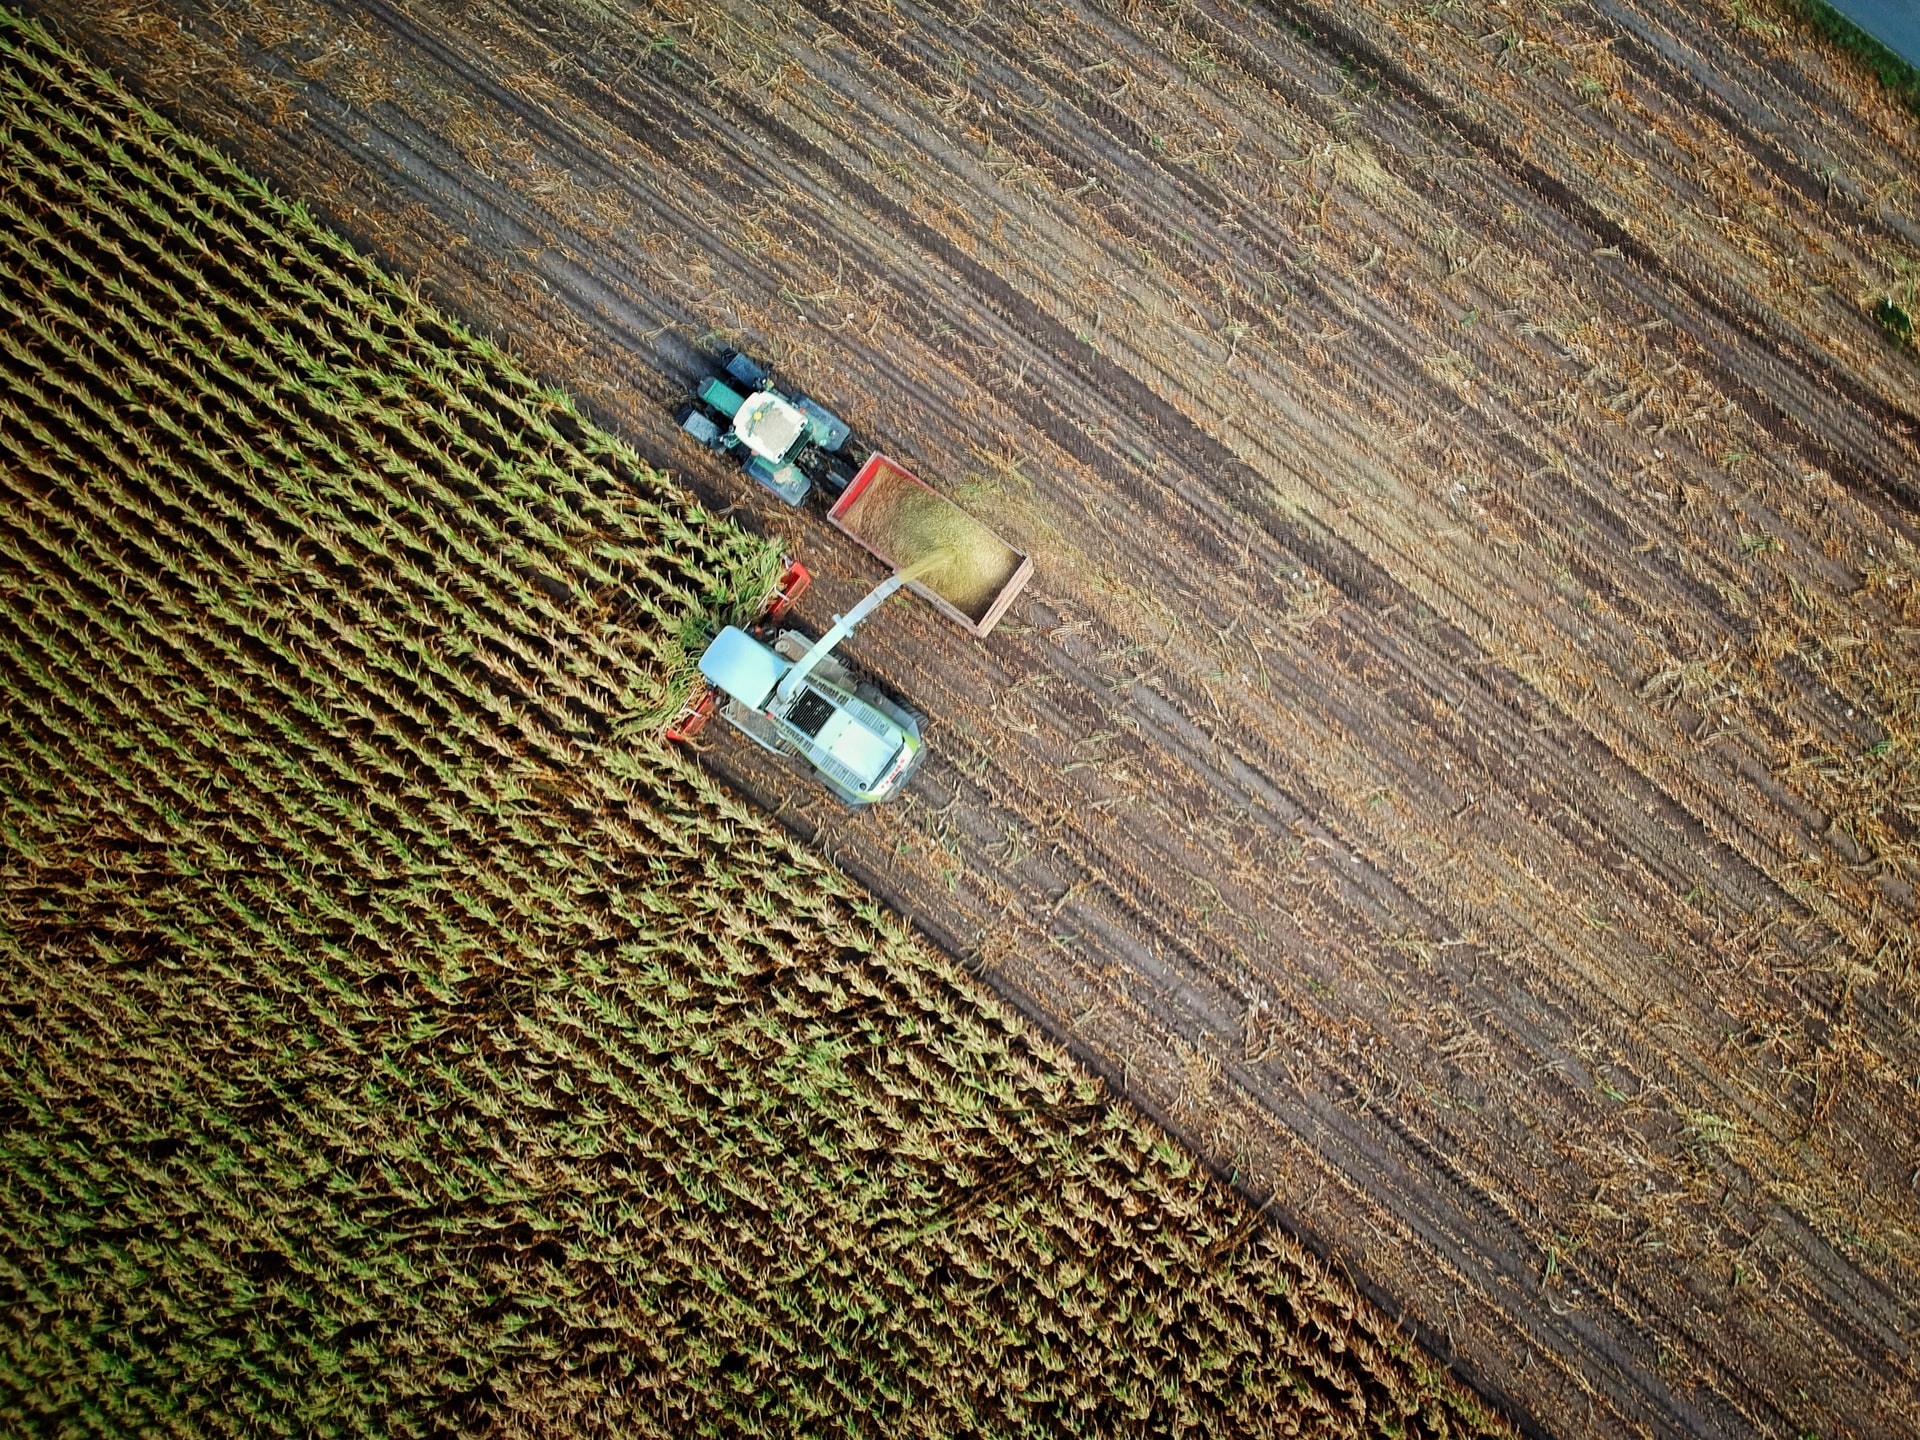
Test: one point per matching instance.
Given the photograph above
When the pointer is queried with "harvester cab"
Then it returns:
(795, 697)
(786, 442)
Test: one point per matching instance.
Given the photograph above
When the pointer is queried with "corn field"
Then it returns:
(395, 1039)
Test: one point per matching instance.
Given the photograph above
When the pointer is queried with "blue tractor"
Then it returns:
(788, 443)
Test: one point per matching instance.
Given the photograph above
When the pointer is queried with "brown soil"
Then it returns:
(1456, 761)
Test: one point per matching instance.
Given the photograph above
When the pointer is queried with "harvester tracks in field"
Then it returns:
(1377, 516)
(1739, 338)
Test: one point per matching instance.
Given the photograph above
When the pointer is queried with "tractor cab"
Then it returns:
(770, 426)
(787, 442)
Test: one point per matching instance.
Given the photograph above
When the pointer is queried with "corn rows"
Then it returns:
(393, 1037)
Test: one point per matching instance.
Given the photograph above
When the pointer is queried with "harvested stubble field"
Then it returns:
(1457, 758)
(395, 1038)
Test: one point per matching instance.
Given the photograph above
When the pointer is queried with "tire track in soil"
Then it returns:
(1761, 347)
(1637, 35)
(1501, 440)
(1449, 1194)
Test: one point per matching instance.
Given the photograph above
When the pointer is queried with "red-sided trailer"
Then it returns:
(871, 510)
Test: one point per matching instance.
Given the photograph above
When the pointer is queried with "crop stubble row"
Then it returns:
(1572, 643)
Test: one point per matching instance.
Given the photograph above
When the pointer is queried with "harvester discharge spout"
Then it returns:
(844, 625)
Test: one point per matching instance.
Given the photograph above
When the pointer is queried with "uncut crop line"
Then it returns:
(705, 577)
(231, 217)
(290, 838)
(317, 643)
(177, 822)
(374, 542)
(576, 690)
(296, 230)
(532, 419)
(112, 783)
(151, 662)
(58, 446)
(175, 1323)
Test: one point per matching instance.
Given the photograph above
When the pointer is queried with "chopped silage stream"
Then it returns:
(947, 549)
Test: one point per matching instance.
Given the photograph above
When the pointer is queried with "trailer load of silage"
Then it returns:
(912, 524)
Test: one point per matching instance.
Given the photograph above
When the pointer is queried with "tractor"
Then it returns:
(788, 443)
